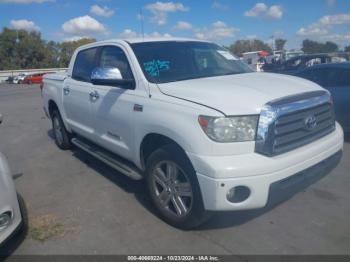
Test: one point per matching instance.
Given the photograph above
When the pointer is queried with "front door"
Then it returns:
(113, 106)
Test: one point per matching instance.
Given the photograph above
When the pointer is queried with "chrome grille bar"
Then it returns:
(291, 122)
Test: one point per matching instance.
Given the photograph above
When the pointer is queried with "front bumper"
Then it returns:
(8, 201)
(261, 174)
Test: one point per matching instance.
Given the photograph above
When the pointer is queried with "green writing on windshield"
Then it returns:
(154, 67)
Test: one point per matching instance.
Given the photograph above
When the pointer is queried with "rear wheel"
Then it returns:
(174, 189)
(61, 135)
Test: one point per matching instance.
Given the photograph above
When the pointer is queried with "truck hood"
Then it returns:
(239, 94)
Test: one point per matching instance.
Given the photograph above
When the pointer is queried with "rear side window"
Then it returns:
(84, 64)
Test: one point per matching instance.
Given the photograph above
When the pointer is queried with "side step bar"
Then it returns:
(114, 161)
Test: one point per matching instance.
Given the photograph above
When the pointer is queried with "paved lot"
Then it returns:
(98, 211)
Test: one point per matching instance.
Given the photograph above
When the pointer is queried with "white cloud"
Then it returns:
(339, 38)
(182, 25)
(339, 19)
(275, 12)
(324, 25)
(24, 24)
(330, 2)
(25, 1)
(84, 25)
(128, 33)
(312, 31)
(101, 11)
(258, 9)
(328, 28)
(160, 11)
(262, 10)
(219, 6)
(74, 38)
(218, 30)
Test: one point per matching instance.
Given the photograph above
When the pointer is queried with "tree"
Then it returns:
(67, 49)
(20, 49)
(312, 47)
(243, 46)
(347, 48)
(280, 43)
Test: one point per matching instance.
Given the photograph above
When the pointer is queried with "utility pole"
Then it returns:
(142, 25)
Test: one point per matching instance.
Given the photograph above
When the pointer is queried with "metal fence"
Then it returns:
(7, 73)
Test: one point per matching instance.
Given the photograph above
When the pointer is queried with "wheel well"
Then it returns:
(52, 107)
(152, 142)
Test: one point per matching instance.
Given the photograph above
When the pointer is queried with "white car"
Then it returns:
(206, 132)
(10, 211)
(19, 79)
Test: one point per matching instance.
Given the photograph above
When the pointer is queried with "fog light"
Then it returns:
(238, 194)
(5, 220)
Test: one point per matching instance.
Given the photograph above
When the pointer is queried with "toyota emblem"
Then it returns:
(310, 122)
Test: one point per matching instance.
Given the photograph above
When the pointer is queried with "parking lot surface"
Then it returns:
(77, 205)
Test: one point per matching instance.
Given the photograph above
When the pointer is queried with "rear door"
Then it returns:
(77, 90)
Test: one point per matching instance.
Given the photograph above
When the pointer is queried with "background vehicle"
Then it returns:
(19, 79)
(9, 80)
(10, 210)
(34, 79)
(297, 63)
(190, 118)
(335, 78)
(290, 54)
(255, 59)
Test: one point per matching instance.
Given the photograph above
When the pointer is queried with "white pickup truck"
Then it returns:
(205, 132)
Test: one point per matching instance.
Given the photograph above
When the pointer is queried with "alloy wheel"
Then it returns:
(172, 188)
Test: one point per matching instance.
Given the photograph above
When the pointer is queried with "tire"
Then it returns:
(61, 135)
(180, 207)
(24, 213)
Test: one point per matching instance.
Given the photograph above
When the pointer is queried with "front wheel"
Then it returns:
(174, 188)
(61, 135)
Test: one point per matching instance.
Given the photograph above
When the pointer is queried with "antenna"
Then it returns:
(142, 25)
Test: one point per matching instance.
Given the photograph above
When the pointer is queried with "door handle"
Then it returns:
(66, 90)
(94, 95)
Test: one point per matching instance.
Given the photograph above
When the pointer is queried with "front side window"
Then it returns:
(114, 57)
(84, 64)
(171, 61)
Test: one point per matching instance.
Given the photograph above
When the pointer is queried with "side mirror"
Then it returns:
(111, 77)
(1, 118)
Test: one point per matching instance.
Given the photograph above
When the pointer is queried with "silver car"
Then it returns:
(10, 211)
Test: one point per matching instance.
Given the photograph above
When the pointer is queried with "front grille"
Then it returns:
(294, 121)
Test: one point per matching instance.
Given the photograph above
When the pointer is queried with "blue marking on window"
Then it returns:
(154, 67)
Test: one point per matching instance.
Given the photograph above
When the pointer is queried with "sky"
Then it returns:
(221, 21)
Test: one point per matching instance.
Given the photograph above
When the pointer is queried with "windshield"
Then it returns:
(171, 61)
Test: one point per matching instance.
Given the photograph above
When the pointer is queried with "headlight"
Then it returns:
(229, 129)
